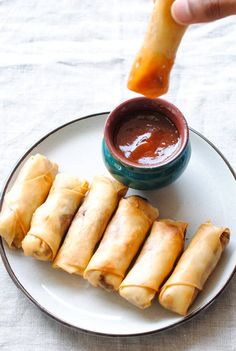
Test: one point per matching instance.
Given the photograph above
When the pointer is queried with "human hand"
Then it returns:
(197, 11)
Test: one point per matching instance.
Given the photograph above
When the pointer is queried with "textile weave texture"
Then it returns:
(64, 59)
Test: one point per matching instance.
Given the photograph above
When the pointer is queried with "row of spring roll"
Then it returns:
(100, 238)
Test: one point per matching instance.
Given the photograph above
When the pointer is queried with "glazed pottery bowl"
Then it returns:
(139, 176)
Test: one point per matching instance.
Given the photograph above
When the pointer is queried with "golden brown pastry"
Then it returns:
(121, 241)
(194, 267)
(151, 69)
(155, 262)
(52, 219)
(89, 224)
(28, 192)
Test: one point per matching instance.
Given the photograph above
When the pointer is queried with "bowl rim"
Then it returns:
(160, 105)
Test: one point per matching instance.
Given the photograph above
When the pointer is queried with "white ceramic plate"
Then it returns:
(205, 191)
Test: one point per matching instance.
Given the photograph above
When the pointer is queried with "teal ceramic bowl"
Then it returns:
(146, 177)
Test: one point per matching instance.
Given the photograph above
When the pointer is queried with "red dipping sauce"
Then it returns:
(146, 138)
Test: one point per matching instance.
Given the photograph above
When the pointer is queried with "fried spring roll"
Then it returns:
(194, 267)
(89, 224)
(122, 239)
(52, 219)
(151, 69)
(155, 262)
(27, 193)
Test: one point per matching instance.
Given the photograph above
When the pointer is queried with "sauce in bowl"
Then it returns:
(146, 138)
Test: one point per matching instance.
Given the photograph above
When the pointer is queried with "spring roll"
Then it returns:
(151, 69)
(155, 262)
(121, 241)
(52, 219)
(89, 224)
(194, 267)
(28, 192)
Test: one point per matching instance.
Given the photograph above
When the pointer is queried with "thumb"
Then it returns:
(196, 11)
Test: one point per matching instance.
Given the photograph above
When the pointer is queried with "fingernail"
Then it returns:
(180, 12)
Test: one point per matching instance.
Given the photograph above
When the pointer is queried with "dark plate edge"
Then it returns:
(21, 287)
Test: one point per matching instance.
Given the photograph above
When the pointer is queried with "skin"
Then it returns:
(197, 11)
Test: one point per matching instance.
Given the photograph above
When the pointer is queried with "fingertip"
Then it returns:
(181, 13)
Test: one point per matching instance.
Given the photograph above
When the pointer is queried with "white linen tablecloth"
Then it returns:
(63, 59)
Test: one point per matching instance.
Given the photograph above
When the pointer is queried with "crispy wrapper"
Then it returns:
(122, 239)
(152, 66)
(194, 267)
(155, 262)
(27, 193)
(89, 224)
(52, 219)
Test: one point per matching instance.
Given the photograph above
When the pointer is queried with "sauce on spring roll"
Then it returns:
(152, 66)
(52, 219)
(194, 267)
(89, 224)
(29, 191)
(121, 241)
(155, 262)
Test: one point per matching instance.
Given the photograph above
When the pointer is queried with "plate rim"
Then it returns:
(45, 310)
